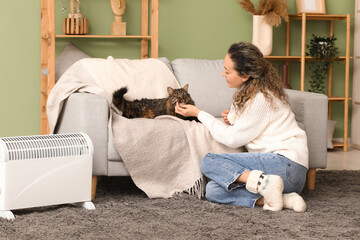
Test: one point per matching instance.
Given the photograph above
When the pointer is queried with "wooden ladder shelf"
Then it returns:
(48, 46)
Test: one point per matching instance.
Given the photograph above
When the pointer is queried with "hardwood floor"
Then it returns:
(340, 160)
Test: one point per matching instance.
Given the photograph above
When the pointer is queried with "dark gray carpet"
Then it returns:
(124, 212)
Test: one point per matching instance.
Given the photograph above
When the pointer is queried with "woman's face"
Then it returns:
(232, 77)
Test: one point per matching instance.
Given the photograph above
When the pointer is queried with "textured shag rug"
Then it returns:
(124, 212)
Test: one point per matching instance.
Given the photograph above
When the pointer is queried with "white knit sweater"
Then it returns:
(261, 127)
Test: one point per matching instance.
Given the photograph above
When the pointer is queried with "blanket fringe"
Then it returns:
(198, 189)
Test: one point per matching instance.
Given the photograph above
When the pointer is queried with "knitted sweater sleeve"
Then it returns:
(248, 125)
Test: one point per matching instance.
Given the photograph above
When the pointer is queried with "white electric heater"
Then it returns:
(45, 170)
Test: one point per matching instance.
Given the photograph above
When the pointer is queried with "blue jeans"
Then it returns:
(224, 169)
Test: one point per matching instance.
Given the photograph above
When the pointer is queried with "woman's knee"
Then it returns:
(213, 192)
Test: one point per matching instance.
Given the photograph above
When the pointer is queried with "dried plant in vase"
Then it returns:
(74, 23)
(267, 14)
(272, 10)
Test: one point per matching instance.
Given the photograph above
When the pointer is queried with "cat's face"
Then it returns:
(180, 95)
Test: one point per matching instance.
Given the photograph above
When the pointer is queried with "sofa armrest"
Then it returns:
(311, 109)
(88, 113)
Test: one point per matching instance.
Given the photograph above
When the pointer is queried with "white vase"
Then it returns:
(262, 35)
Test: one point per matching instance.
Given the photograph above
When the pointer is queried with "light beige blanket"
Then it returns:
(162, 155)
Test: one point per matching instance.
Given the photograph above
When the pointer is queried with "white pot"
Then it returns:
(262, 35)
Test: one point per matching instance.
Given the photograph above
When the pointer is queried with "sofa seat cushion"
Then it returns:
(206, 85)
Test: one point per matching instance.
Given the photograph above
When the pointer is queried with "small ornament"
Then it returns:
(118, 27)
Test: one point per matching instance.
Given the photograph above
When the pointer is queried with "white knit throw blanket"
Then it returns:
(162, 155)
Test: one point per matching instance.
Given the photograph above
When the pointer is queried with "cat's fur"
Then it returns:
(151, 108)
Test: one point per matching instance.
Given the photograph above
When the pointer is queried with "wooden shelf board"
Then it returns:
(339, 144)
(283, 58)
(337, 99)
(296, 58)
(318, 17)
(104, 36)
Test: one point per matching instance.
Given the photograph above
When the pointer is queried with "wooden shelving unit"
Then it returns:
(48, 38)
(303, 59)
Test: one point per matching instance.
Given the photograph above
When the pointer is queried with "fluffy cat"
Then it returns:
(151, 108)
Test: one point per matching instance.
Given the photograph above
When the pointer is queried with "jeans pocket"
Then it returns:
(296, 175)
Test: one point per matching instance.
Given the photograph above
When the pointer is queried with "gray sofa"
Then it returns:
(89, 113)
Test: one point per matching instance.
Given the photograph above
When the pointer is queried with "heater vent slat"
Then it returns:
(44, 146)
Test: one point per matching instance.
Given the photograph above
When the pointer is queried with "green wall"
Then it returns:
(19, 67)
(188, 29)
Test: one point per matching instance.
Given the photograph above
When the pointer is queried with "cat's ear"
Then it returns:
(170, 90)
(186, 87)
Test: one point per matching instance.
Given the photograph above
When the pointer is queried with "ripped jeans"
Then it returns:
(224, 169)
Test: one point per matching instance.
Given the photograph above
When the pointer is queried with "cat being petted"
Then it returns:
(151, 108)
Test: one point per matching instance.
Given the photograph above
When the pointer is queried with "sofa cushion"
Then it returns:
(206, 85)
(67, 57)
(167, 62)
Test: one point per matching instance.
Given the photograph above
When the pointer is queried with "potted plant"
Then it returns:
(267, 14)
(324, 52)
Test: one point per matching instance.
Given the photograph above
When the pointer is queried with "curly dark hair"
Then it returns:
(249, 61)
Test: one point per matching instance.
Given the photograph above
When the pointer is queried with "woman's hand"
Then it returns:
(187, 110)
(224, 115)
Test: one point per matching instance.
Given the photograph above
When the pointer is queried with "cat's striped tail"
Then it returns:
(118, 98)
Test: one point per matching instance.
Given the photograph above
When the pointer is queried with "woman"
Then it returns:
(273, 171)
